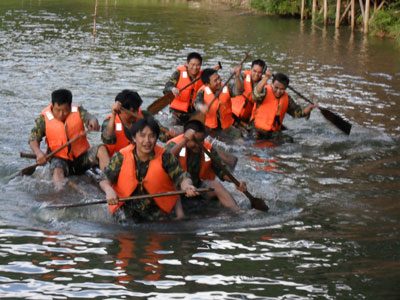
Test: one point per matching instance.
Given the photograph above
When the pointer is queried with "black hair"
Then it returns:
(282, 78)
(129, 99)
(61, 96)
(207, 73)
(196, 125)
(195, 55)
(140, 124)
(259, 62)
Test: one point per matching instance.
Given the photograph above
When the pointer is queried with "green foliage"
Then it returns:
(386, 22)
(279, 7)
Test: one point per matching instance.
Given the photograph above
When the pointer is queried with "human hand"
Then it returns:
(93, 125)
(191, 191)
(189, 135)
(41, 158)
(112, 197)
(116, 108)
(175, 91)
(242, 186)
(237, 70)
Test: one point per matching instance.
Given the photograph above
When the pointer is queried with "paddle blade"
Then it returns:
(336, 120)
(259, 204)
(29, 170)
(160, 103)
(228, 159)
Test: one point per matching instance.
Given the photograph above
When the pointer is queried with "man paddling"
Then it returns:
(144, 168)
(125, 111)
(60, 122)
(181, 106)
(200, 167)
(242, 105)
(218, 110)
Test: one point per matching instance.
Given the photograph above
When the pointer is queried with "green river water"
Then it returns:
(333, 230)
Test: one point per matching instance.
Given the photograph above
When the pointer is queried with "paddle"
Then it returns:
(64, 205)
(229, 159)
(165, 100)
(200, 116)
(335, 119)
(31, 169)
(256, 203)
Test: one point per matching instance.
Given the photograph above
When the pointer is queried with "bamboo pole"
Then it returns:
(362, 8)
(345, 12)
(353, 14)
(325, 12)
(366, 19)
(337, 19)
(314, 9)
(94, 21)
(302, 10)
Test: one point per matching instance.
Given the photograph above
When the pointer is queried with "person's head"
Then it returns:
(257, 67)
(200, 134)
(145, 133)
(131, 101)
(193, 63)
(279, 84)
(61, 101)
(211, 78)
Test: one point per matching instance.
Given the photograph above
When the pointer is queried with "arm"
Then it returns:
(110, 176)
(90, 121)
(38, 132)
(260, 90)
(296, 111)
(108, 132)
(170, 86)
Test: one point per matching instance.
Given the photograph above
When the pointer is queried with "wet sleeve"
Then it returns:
(38, 131)
(111, 171)
(199, 98)
(173, 168)
(172, 82)
(108, 140)
(220, 174)
(259, 97)
(295, 110)
(232, 85)
(169, 146)
(85, 115)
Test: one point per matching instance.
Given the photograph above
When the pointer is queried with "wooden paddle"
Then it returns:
(256, 203)
(64, 205)
(165, 100)
(200, 116)
(31, 169)
(335, 119)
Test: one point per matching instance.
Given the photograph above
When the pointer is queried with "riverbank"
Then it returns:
(384, 21)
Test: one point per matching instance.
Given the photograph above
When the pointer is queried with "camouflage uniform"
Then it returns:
(144, 210)
(112, 139)
(182, 117)
(295, 110)
(85, 161)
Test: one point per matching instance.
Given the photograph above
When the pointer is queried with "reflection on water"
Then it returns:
(333, 226)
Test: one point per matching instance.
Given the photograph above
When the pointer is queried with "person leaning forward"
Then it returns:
(145, 168)
(60, 122)
(242, 105)
(182, 106)
(116, 128)
(199, 165)
(219, 113)
(272, 104)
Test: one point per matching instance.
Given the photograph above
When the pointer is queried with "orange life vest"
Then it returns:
(122, 140)
(155, 181)
(59, 133)
(242, 105)
(206, 172)
(264, 116)
(223, 104)
(186, 97)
